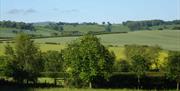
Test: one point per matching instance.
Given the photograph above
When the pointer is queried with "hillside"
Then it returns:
(169, 40)
(54, 29)
(44, 31)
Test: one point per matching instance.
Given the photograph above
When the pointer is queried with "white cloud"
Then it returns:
(21, 11)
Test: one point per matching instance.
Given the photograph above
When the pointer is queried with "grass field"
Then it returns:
(44, 31)
(119, 51)
(169, 40)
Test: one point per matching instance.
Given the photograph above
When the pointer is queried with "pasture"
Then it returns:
(119, 51)
(167, 39)
(44, 31)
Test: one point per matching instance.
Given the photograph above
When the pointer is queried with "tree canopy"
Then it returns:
(149, 53)
(17, 25)
(54, 63)
(24, 61)
(173, 67)
(87, 58)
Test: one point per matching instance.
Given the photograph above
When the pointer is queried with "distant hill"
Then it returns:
(54, 29)
(43, 23)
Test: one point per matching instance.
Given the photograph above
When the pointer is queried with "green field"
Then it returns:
(166, 39)
(44, 31)
(169, 40)
(119, 51)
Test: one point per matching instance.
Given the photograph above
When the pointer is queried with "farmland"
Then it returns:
(44, 31)
(89, 45)
(51, 45)
(168, 40)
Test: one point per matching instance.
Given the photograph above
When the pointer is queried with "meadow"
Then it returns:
(44, 31)
(168, 40)
(119, 51)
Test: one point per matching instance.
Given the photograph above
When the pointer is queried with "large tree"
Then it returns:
(2, 64)
(173, 67)
(86, 58)
(108, 28)
(149, 53)
(54, 63)
(24, 61)
(139, 67)
(122, 66)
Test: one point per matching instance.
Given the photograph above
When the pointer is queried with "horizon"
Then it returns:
(114, 11)
(87, 21)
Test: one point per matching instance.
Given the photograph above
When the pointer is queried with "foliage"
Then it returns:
(122, 66)
(44, 29)
(53, 62)
(56, 26)
(139, 66)
(86, 58)
(25, 61)
(143, 25)
(176, 28)
(2, 65)
(150, 54)
(18, 25)
(173, 68)
(108, 27)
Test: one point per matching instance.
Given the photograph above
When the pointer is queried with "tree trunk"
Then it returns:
(177, 86)
(138, 83)
(65, 80)
(55, 81)
(90, 85)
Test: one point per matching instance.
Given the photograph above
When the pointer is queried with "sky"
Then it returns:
(114, 11)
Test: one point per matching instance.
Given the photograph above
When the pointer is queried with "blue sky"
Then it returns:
(114, 11)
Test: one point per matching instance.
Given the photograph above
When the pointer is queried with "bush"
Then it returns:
(52, 43)
(129, 80)
(121, 66)
(52, 74)
(160, 28)
(110, 45)
(54, 34)
(176, 28)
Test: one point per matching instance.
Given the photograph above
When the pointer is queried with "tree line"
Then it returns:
(144, 25)
(17, 25)
(59, 26)
(82, 61)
